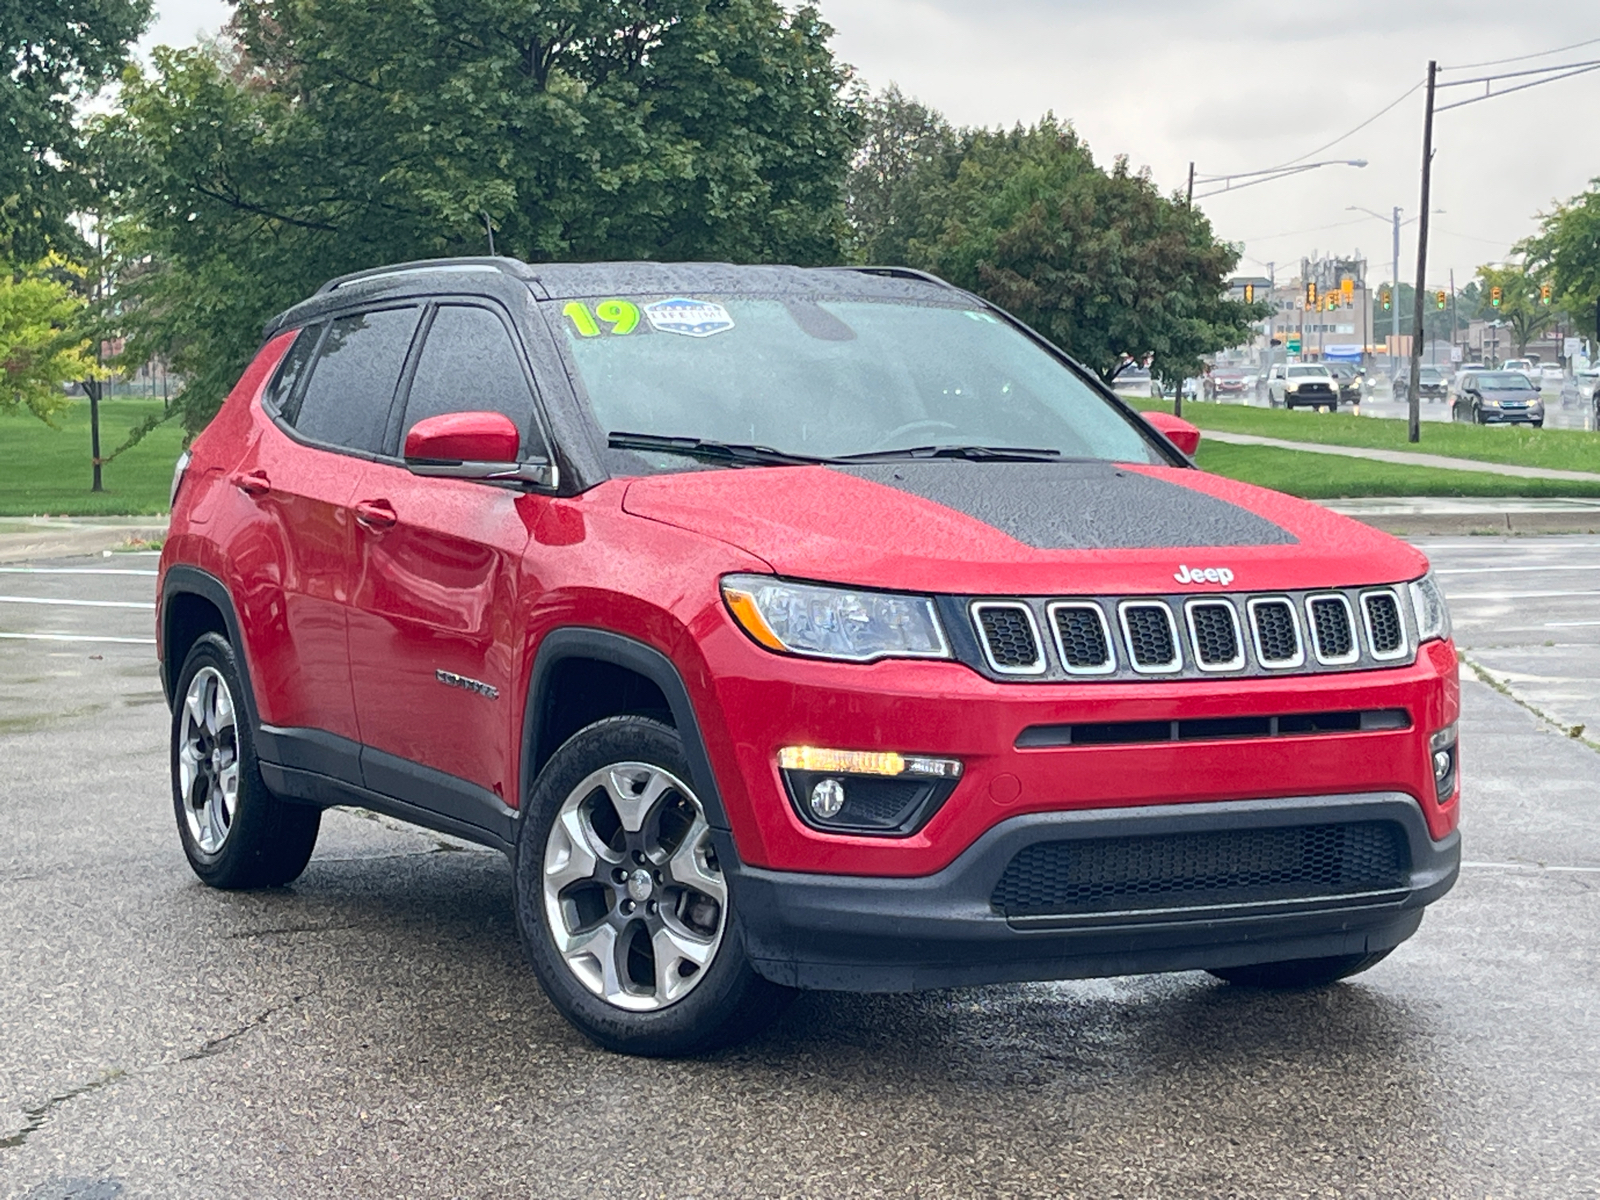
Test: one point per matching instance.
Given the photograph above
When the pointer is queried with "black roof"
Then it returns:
(562, 281)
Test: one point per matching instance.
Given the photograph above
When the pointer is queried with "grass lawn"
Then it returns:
(48, 472)
(1561, 449)
(1328, 477)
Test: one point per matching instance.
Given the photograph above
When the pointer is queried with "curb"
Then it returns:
(1502, 524)
(70, 541)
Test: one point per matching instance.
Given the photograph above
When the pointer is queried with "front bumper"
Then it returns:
(866, 934)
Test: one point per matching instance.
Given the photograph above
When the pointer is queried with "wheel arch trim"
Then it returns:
(181, 579)
(579, 642)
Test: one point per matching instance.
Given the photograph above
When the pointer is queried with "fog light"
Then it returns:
(827, 798)
(1445, 757)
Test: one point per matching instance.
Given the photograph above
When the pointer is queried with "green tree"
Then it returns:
(906, 150)
(1099, 261)
(55, 53)
(1519, 301)
(43, 318)
(333, 135)
(1567, 251)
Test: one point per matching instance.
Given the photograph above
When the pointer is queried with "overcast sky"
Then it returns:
(1239, 85)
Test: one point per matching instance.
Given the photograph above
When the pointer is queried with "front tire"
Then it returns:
(1300, 973)
(623, 905)
(235, 833)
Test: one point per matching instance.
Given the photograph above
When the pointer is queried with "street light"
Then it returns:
(1254, 177)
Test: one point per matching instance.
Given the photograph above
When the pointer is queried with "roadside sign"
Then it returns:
(1455, 353)
(1294, 344)
(1570, 347)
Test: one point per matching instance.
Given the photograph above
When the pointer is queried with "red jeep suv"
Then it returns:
(790, 629)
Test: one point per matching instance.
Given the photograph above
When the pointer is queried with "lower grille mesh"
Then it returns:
(1335, 637)
(1107, 875)
(1383, 620)
(1275, 631)
(1009, 635)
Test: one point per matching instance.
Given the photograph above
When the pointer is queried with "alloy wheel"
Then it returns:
(634, 897)
(208, 759)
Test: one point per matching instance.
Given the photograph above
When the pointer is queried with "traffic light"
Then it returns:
(1249, 293)
(1347, 292)
(1311, 295)
(1333, 301)
(1438, 300)
(1544, 293)
(1494, 296)
(1387, 302)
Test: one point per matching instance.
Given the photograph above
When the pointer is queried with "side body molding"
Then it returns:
(603, 646)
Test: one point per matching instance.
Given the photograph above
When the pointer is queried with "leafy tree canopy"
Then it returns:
(332, 135)
(1099, 261)
(1567, 251)
(42, 338)
(56, 52)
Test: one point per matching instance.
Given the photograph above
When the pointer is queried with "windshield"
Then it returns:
(1504, 381)
(1305, 372)
(832, 378)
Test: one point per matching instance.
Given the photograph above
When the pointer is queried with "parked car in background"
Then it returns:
(1523, 366)
(1352, 380)
(1496, 398)
(1135, 382)
(1582, 388)
(1303, 385)
(1433, 384)
(1230, 383)
(1551, 375)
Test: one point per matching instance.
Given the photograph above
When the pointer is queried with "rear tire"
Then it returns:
(1300, 973)
(235, 833)
(633, 932)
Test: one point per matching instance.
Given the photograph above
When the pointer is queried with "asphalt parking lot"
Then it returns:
(373, 1031)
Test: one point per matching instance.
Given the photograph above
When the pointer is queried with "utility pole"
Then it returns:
(1272, 317)
(1394, 305)
(92, 386)
(1189, 200)
(1413, 392)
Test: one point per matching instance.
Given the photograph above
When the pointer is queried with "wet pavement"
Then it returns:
(373, 1031)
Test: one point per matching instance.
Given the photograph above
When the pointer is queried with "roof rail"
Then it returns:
(505, 266)
(900, 273)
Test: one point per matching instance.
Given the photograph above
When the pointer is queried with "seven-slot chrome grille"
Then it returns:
(1186, 636)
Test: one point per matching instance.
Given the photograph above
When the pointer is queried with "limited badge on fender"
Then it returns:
(694, 318)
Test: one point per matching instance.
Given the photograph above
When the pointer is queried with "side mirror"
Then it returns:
(1180, 433)
(473, 445)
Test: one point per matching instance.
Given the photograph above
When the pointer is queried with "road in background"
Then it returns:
(373, 1030)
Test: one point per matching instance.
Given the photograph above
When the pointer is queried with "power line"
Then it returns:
(1496, 62)
(1299, 232)
(1356, 130)
(1576, 69)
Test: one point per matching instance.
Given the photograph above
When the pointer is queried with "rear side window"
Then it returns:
(293, 368)
(470, 364)
(346, 403)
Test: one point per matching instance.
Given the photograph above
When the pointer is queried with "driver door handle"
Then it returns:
(376, 514)
(251, 483)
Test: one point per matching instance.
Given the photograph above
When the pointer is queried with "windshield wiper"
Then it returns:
(970, 453)
(740, 453)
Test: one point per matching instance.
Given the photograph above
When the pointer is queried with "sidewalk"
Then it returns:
(1405, 458)
(1422, 516)
(23, 538)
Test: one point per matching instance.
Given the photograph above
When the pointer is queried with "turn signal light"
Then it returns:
(866, 762)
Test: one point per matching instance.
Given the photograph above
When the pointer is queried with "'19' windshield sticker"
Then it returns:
(621, 315)
(694, 318)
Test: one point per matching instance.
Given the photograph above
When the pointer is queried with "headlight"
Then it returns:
(830, 622)
(1433, 614)
(1291, 387)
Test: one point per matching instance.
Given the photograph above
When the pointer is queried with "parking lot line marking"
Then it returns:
(1494, 866)
(146, 605)
(1568, 624)
(1505, 570)
(1465, 597)
(75, 571)
(77, 637)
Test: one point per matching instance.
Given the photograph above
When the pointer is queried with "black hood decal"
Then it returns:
(1078, 505)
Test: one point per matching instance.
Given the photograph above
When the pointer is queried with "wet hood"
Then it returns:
(1023, 528)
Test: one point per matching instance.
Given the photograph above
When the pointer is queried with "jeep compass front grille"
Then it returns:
(1009, 638)
(1184, 636)
(1186, 870)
